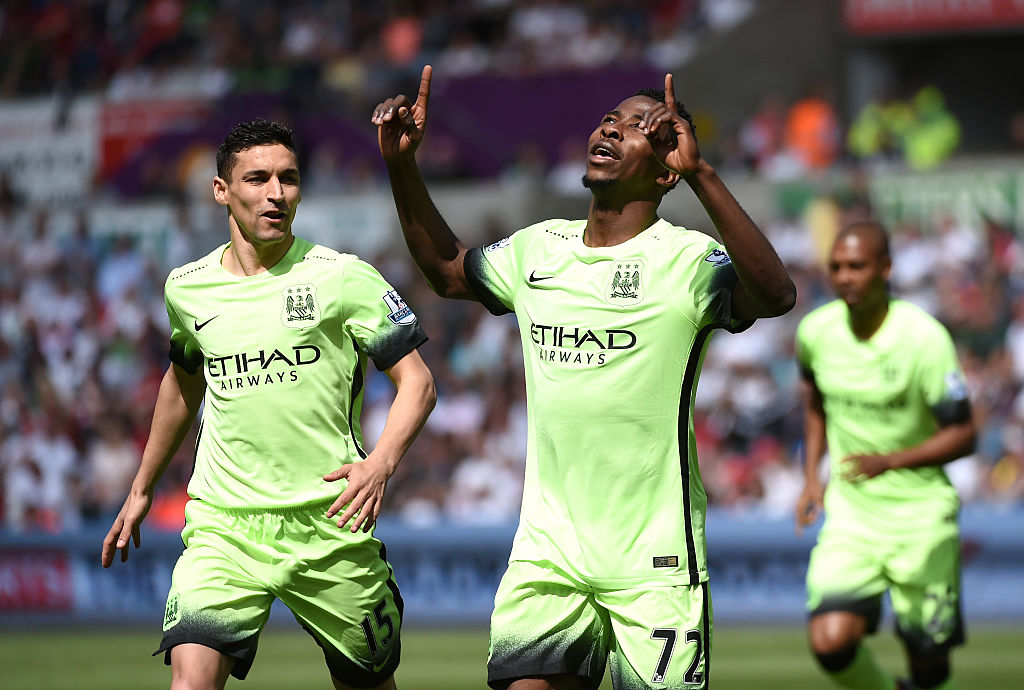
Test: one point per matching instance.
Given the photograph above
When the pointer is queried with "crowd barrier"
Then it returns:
(448, 574)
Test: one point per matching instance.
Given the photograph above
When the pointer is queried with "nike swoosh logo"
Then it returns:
(200, 326)
(534, 277)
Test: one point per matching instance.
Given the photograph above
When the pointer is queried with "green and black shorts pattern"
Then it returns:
(547, 622)
(338, 585)
(851, 572)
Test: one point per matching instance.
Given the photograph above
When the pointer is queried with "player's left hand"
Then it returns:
(671, 136)
(364, 494)
(857, 468)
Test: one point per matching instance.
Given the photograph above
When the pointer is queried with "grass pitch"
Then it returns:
(743, 658)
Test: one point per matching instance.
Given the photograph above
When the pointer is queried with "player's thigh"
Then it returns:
(846, 573)
(345, 596)
(213, 599)
(198, 666)
(925, 594)
(546, 624)
(661, 637)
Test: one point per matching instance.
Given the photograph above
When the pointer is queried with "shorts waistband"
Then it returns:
(271, 510)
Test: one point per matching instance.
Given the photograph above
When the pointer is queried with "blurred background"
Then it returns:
(815, 112)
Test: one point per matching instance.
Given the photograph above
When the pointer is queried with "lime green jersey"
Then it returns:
(613, 341)
(890, 392)
(284, 355)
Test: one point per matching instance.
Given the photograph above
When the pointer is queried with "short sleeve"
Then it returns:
(942, 380)
(493, 273)
(377, 317)
(713, 282)
(803, 350)
(184, 350)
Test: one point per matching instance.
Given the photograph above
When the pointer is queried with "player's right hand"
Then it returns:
(126, 526)
(809, 506)
(401, 123)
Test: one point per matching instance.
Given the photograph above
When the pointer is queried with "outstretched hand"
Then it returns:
(401, 123)
(670, 135)
(809, 506)
(126, 527)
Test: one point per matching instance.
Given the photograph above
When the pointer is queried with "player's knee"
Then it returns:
(836, 660)
(929, 671)
(833, 640)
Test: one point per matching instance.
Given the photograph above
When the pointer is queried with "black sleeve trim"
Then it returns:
(179, 355)
(726, 280)
(950, 412)
(472, 264)
(403, 342)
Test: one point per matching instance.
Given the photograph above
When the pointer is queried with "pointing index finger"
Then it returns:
(670, 93)
(424, 93)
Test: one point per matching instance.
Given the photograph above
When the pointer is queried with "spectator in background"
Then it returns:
(110, 465)
(934, 132)
(761, 134)
(812, 129)
(877, 133)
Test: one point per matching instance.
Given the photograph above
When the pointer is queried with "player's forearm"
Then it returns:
(434, 247)
(414, 400)
(814, 450)
(176, 408)
(949, 443)
(758, 266)
(814, 431)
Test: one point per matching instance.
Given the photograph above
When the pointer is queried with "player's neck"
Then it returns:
(246, 258)
(608, 226)
(866, 322)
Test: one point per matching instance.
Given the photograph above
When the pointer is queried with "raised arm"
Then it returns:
(764, 288)
(367, 480)
(176, 406)
(435, 248)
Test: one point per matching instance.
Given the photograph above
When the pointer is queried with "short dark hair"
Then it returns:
(659, 95)
(246, 135)
(870, 230)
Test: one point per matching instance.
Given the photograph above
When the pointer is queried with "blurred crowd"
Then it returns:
(83, 333)
(317, 49)
(83, 345)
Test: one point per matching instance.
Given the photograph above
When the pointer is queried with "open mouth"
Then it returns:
(602, 152)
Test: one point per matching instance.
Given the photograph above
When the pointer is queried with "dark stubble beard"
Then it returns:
(591, 183)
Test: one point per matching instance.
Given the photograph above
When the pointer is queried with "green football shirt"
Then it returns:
(613, 342)
(890, 392)
(284, 354)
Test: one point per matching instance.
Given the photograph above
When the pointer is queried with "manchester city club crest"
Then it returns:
(625, 282)
(301, 309)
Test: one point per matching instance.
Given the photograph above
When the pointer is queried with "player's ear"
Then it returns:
(220, 191)
(668, 179)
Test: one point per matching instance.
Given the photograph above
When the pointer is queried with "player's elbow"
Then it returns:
(784, 299)
(778, 301)
(429, 393)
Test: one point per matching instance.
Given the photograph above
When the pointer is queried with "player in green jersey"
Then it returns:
(608, 566)
(271, 334)
(883, 388)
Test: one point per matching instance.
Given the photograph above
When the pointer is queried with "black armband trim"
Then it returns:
(472, 265)
(398, 346)
(725, 280)
(179, 355)
(950, 412)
